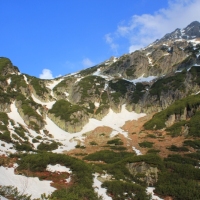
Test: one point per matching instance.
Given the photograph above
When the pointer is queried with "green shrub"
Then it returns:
(159, 119)
(65, 109)
(182, 160)
(155, 151)
(192, 143)
(146, 144)
(175, 148)
(39, 86)
(47, 147)
(80, 146)
(116, 141)
(194, 125)
(93, 143)
(107, 156)
(124, 190)
(5, 136)
(23, 147)
(118, 148)
(175, 129)
(35, 140)
(165, 84)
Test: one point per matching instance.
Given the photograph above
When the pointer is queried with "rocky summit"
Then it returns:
(127, 128)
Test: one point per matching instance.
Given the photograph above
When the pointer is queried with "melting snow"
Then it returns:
(66, 93)
(6, 148)
(100, 191)
(194, 41)
(150, 191)
(53, 83)
(78, 79)
(25, 185)
(9, 81)
(25, 78)
(58, 168)
(150, 61)
(98, 73)
(142, 79)
(15, 115)
(138, 152)
(96, 104)
(47, 104)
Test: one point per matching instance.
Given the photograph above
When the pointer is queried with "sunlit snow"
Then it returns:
(9, 81)
(25, 185)
(53, 83)
(47, 104)
(150, 191)
(143, 79)
(6, 148)
(15, 115)
(138, 152)
(100, 191)
(58, 168)
(25, 79)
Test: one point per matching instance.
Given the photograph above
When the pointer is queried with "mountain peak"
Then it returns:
(192, 31)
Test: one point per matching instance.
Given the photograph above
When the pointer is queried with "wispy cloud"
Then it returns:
(142, 30)
(46, 74)
(110, 40)
(86, 62)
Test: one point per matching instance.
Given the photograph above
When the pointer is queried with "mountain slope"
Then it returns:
(102, 117)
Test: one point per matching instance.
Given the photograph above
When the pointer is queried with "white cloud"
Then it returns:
(142, 30)
(46, 74)
(110, 41)
(87, 62)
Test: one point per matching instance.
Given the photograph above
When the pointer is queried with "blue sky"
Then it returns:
(48, 38)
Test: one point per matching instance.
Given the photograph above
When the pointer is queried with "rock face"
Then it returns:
(73, 125)
(186, 114)
(190, 32)
(144, 172)
(6, 67)
(33, 121)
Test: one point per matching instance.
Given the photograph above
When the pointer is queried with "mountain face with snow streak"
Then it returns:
(102, 108)
(192, 31)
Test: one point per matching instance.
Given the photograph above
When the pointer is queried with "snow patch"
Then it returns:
(25, 79)
(9, 81)
(66, 93)
(54, 83)
(96, 104)
(58, 168)
(47, 104)
(150, 61)
(98, 189)
(78, 79)
(15, 115)
(138, 152)
(6, 148)
(25, 185)
(142, 79)
(149, 190)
